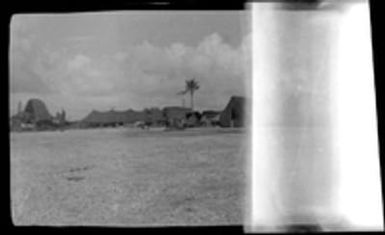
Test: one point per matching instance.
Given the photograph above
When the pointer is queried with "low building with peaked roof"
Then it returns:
(151, 116)
(108, 118)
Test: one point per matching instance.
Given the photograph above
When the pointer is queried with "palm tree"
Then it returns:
(191, 87)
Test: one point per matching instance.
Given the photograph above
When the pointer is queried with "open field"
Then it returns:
(128, 177)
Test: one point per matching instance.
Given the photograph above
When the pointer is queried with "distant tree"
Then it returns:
(191, 87)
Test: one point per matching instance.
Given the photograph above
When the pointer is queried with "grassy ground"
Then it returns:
(128, 177)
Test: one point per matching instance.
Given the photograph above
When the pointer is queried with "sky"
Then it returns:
(81, 62)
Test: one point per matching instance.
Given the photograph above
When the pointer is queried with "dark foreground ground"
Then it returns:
(128, 177)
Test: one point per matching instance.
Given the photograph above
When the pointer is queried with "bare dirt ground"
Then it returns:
(128, 177)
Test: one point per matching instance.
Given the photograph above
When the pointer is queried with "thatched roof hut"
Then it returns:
(234, 113)
(36, 111)
(112, 117)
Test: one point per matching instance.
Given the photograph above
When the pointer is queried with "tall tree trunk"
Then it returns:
(192, 99)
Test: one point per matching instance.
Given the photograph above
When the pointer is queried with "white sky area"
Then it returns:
(127, 59)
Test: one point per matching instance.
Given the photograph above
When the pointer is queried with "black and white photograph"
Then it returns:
(128, 118)
(262, 117)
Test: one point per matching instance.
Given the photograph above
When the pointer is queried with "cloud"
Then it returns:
(78, 62)
(137, 76)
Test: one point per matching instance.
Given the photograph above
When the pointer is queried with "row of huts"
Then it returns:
(36, 116)
(231, 116)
